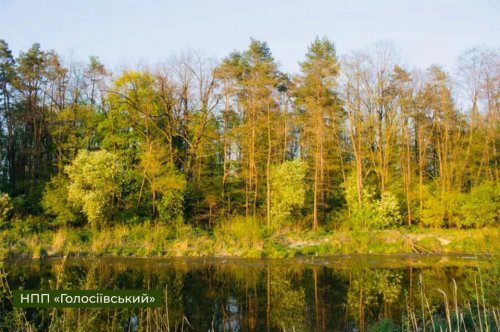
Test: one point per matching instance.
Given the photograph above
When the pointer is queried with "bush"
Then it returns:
(433, 212)
(93, 182)
(388, 214)
(55, 201)
(239, 232)
(287, 190)
(372, 213)
(6, 208)
(383, 325)
(480, 207)
(170, 207)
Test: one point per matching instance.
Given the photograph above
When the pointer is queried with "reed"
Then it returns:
(481, 316)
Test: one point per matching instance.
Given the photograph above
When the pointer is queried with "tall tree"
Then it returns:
(257, 77)
(32, 115)
(402, 88)
(7, 75)
(321, 117)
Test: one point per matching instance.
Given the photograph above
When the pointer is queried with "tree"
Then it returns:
(402, 87)
(6, 208)
(373, 113)
(195, 103)
(166, 182)
(478, 76)
(226, 75)
(353, 94)
(7, 76)
(77, 109)
(442, 145)
(288, 191)
(256, 75)
(382, 111)
(95, 75)
(31, 76)
(56, 204)
(321, 116)
(93, 183)
(479, 208)
(373, 213)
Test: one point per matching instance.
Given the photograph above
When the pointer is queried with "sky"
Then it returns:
(126, 32)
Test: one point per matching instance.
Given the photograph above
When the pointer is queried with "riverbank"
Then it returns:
(243, 241)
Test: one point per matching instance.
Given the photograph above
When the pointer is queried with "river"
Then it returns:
(340, 293)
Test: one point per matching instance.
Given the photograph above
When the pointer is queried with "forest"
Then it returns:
(351, 142)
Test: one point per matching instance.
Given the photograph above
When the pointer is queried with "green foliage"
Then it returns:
(74, 128)
(388, 214)
(164, 180)
(170, 207)
(94, 183)
(201, 142)
(372, 213)
(360, 214)
(320, 68)
(239, 233)
(477, 208)
(432, 213)
(480, 207)
(288, 190)
(6, 208)
(55, 201)
(383, 325)
(431, 244)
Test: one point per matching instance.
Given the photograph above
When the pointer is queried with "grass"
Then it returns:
(452, 310)
(471, 315)
(242, 237)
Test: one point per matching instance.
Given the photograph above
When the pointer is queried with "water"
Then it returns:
(345, 293)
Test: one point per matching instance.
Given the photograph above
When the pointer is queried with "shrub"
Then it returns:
(6, 208)
(93, 182)
(433, 212)
(480, 207)
(372, 213)
(170, 207)
(287, 190)
(239, 232)
(383, 325)
(388, 214)
(55, 201)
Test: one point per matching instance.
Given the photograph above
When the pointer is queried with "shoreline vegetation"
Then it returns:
(159, 241)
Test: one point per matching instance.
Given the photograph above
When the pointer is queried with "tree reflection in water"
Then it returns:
(261, 295)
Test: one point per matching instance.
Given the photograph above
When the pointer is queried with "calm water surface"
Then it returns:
(345, 293)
